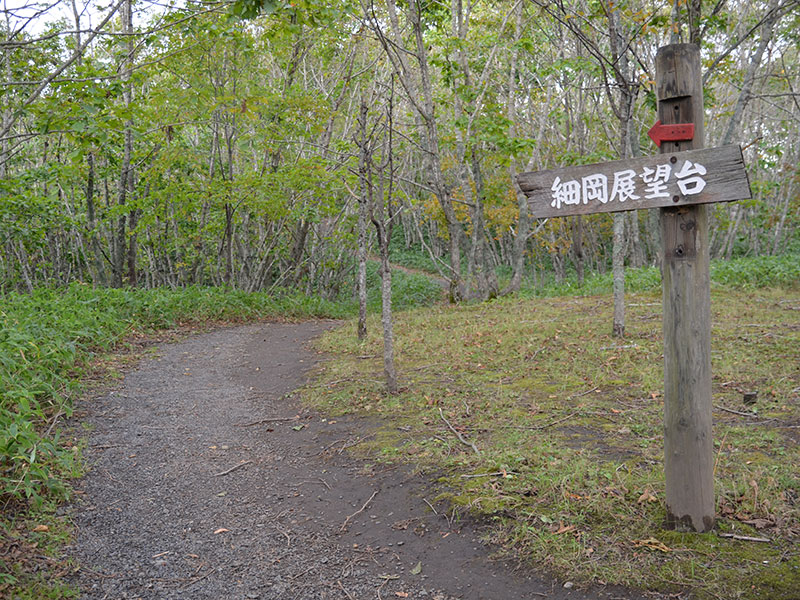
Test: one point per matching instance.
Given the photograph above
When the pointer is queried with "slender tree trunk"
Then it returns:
(487, 277)
(523, 218)
(24, 264)
(767, 30)
(363, 210)
(577, 246)
(618, 270)
(99, 270)
(421, 96)
(389, 371)
(126, 175)
(228, 244)
(625, 108)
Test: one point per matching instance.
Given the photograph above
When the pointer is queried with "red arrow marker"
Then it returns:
(681, 132)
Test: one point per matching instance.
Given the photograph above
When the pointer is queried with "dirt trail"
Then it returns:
(187, 498)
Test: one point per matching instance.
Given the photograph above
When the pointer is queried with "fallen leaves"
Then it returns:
(647, 496)
(221, 530)
(564, 528)
(41, 528)
(652, 543)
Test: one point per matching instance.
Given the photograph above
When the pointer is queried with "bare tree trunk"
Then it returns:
(389, 370)
(625, 109)
(363, 209)
(24, 265)
(382, 213)
(618, 270)
(99, 271)
(767, 30)
(126, 175)
(523, 218)
(577, 246)
(420, 95)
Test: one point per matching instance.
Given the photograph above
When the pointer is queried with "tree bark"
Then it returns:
(126, 174)
(363, 215)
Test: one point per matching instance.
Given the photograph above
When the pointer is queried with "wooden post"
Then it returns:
(688, 444)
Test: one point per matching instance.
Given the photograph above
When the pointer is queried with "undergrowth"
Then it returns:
(740, 273)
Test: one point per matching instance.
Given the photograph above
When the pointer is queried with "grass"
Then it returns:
(568, 421)
(409, 289)
(741, 273)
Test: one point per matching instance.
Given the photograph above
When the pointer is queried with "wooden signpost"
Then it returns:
(680, 181)
(661, 181)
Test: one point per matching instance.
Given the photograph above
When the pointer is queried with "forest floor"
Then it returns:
(207, 479)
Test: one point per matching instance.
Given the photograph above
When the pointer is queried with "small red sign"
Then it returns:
(680, 132)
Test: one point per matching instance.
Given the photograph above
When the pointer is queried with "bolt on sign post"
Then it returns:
(679, 181)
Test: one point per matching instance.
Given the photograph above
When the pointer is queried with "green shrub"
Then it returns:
(759, 271)
(409, 290)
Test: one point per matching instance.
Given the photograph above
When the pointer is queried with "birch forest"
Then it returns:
(269, 144)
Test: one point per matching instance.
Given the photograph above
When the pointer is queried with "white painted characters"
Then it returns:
(658, 182)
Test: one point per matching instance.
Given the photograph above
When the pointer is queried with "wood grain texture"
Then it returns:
(688, 444)
(726, 181)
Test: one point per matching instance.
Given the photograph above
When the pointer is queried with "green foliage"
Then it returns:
(413, 259)
(758, 271)
(409, 290)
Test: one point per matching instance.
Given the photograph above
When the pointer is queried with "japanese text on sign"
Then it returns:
(624, 185)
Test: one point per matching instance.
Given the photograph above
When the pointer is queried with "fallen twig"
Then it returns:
(319, 480)
(736, 412)
(350, 444)
(721, 446)
(270, 420)
(583, 393)
(430, 506)
(53, 422)
(359, 511)
(198, 579)
(346, 593)
(458, 435)
(241, 464)
(744, 538)
(286, 535)
(551, 423)
(495, 474)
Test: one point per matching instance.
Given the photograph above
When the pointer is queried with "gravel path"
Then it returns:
(202, 484)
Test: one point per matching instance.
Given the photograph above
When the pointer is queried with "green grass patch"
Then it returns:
(409, 289)
(739, 273)
(568, 421)
(416, 258)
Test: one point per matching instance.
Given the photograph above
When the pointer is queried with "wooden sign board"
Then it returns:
(677, 179)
